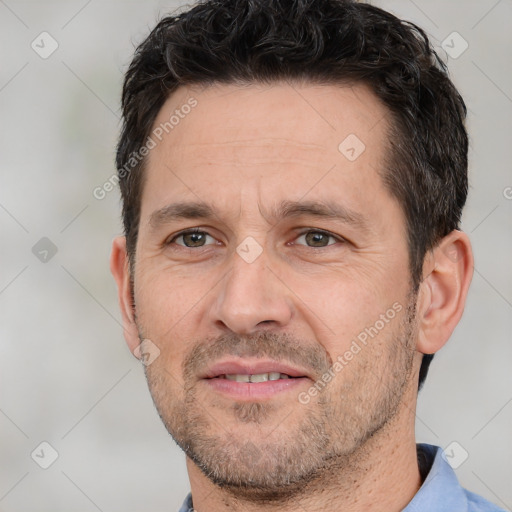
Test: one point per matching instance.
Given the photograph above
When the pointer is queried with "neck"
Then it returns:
(382, 474)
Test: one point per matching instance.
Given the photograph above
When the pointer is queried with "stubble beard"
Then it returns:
(324, 439)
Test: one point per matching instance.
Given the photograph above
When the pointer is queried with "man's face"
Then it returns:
(299, 259)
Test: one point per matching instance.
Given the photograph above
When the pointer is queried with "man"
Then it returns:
(293, 176)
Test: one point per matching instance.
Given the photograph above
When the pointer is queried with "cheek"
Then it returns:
(373, 362)
(165, 315)
(164, 298)
(344, 303)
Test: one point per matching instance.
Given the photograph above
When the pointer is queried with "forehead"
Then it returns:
(280, 139)
(317, 114)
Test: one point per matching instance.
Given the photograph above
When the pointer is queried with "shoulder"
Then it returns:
(478, 504)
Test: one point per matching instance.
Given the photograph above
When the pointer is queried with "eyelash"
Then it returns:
(302, 233)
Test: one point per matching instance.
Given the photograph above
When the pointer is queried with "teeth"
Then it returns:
(260, 377)
(239, 378)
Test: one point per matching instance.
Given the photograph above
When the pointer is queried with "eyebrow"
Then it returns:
(180, 211)
(286, 209)
(323, 209)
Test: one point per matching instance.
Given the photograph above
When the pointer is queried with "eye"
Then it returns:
(316, 238)
(193, 238)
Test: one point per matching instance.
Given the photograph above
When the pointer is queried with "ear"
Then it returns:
(448, 270)
(119, 266)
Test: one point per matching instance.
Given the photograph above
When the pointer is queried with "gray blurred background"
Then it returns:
(66, 375)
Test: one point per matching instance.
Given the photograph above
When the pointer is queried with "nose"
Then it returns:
(251, 297)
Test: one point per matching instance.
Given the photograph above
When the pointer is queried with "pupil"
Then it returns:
(317, 239)
(194, 239)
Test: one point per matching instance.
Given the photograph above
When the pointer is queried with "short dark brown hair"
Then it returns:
(321, 42)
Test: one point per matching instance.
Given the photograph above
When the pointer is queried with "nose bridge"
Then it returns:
(250, 293)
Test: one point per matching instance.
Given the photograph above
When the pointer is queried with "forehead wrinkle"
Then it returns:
(239, 153)
(255, 149)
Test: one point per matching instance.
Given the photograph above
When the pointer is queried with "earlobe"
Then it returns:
(119, 266)
(448, 270)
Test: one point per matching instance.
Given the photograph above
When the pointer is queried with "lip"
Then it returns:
(245, 391)
(246, 366)
(250, 392)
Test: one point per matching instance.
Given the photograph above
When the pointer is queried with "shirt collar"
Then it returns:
(441, 490)
(187, 504)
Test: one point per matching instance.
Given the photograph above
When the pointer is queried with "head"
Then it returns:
(260, 118)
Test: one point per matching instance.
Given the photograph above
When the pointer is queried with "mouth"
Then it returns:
(250, 380)
(258, 377)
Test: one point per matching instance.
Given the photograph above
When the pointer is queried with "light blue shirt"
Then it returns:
(440, 492)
